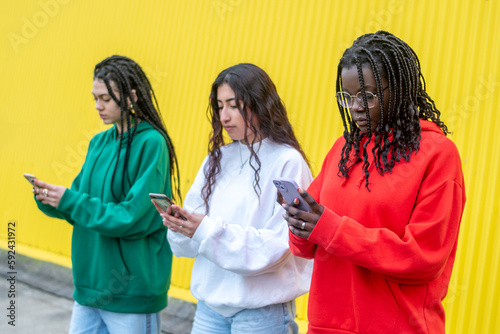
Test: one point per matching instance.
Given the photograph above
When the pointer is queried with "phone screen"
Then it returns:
(164, 202)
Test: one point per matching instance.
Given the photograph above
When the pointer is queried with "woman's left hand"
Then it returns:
(302, 223)
(48, 193)
(173, 219)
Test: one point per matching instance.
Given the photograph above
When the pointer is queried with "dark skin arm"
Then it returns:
(296, 217)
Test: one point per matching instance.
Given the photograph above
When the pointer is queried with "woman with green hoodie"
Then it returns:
(120, 254)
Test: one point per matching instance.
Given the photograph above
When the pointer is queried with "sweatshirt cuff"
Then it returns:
(67, 201)
(45, 208)
(207, 227)
(326, 228)
(296, 239)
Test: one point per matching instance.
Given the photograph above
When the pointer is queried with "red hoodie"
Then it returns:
(383, 258)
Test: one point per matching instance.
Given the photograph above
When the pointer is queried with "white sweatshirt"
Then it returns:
(243, 260)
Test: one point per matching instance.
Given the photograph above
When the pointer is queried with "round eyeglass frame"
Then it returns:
(370, 98)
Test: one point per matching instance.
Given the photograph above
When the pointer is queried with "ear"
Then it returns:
(134, 96)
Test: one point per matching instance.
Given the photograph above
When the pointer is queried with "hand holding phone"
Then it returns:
(288, 188)
(164, 202)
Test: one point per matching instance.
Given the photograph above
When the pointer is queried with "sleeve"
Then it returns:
(429, 239)
(181, 245)
(133, 217)
(54, 212)
(247, 250)
(251, 251)
(300, 246)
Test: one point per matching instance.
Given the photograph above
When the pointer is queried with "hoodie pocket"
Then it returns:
(386, 296)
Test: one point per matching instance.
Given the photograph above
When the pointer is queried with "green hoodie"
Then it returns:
(121, 258)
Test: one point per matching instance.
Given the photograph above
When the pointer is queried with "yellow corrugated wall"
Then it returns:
(49, 49)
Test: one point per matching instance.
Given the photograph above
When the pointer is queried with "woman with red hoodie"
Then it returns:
(387, 204)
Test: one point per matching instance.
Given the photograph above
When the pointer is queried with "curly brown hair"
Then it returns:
(259, 99)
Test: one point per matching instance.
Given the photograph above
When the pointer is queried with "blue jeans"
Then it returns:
(89, 320)
(272, 319)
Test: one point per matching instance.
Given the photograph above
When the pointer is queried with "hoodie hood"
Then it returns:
(425, 126)
(430, 126)
(141, 127)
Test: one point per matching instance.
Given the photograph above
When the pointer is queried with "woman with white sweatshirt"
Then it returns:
(244, 277)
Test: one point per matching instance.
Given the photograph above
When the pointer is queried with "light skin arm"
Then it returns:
(48, 193)
(176, 224)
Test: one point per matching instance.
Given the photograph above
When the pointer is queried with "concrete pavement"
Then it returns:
(37, 299)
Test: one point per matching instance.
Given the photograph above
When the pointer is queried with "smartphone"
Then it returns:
(288, 188)
(31, 178)
(164, 202)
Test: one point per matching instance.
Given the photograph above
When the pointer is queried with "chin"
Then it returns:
(363, 129)
(234, 138)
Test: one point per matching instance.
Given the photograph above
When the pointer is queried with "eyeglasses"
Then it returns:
(346, 100)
